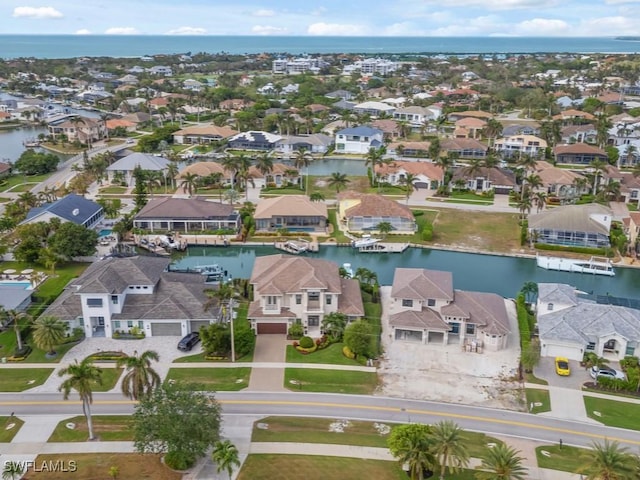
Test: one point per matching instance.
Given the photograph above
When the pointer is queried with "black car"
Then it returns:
(188, 342)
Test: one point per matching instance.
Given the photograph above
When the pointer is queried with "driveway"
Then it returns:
(269, 349)
(546, 370)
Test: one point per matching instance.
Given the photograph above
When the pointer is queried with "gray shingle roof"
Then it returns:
(557, 293)
(143, 160)
(73, 208)
(184, 208)
(114, 275)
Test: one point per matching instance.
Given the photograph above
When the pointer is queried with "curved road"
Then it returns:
(383, 409)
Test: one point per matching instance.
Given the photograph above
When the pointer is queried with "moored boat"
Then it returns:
(595, 265)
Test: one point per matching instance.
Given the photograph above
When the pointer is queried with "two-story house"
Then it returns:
(118, 294)
(520, 144)
(358, 139)
(288, 290)
(425, 308)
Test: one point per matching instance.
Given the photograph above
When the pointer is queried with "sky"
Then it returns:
(577, 18)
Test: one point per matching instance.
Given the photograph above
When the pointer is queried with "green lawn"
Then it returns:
(373, 312)
(7, 435)
(473, 202)
(113, 189)
(110, 377)
(537, 395)
(311, 467)
(336, 233)
(567, 459)
(20, 379)
(109, 428)
(4, 199)
(612, 413)
(212, 379)
(330, 355)
(531, 378)
(12, 181)
(330, 381)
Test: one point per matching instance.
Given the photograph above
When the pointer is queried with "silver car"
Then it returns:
(606, 372)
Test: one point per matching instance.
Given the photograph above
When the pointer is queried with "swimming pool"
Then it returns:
(14, 284)
(105, 232)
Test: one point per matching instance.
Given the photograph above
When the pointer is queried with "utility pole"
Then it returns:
(233, 342)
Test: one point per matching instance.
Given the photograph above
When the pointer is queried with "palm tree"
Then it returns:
(12, 470)
(232, 165)
(171, 172)
(189, 182)
(608, 461)
(530, 291)
(140, 378)
(338, 180)
(13, 316)
(264, 164)
(153, 180)
(375, 158)
(82, 377)
(407, 180)
(501, 463)
(448, 446)
(525, 204)
(225, 454)
(384, 228)
(48, 332)
(417, 454)
(598, 167)
(316, 197)
(540, 199)
(302, 158)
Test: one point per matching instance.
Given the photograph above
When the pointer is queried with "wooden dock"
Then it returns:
(296, 247)
(382, 247)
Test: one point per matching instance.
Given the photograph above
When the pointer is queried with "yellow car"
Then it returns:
(562, 366)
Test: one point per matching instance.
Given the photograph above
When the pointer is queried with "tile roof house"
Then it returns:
(425, 308)
(71, 208)
(295, 213)
(358, 139)
(578, 153)
(118, 294)
(125, 166)
(84, 129)
(500, 180)
(290, 290)
(427, 174)
(202, 134)
(585, 225)
(362, 213)
(518, 144)
(409, 149)
(205, 169)
(279, 176)
(570, 326)
(559, 182)
(464, 147)
(187, 215)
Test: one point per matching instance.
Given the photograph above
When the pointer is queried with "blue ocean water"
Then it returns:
(69, 46)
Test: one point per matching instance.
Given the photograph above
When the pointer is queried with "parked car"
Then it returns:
(606, 372)
(189, 341)
(562, 366)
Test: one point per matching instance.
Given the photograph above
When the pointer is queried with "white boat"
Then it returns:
(364, 241)
(210, 270)
(296, 247)
(595, 265)
(348, 269)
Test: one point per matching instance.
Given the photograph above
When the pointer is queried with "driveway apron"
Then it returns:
(269, 349)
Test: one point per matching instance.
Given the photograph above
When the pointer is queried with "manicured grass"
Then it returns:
(95, 466)
(488, 231)
(12, 181)
(614, 414)
(536, 395)
(310, 467)
(373, 312)
(113, 189)
(23, 187)
(330, 381)
(567, 460)
(7, 435)
(212, 379)
(531, 378)
(336, 233)
(472, 202)
(109, 428)
(199, 358)
(330, 355)
(110, 377)
(18, 379)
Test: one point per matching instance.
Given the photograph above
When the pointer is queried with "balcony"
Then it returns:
(314, 306)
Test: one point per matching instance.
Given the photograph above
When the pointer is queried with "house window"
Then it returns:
(314, 296)
(471, 329)
(328, 299)
(630, 351)
(114, 299)
(454, 328)
(407, 302)
(550, 306)
(116, 324)
(130, 323)
(94, 302)
(313, 320)
(298, 299)
(431, 302)
(591, 346)
(140, 324)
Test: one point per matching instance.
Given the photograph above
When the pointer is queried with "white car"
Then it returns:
(606, 372)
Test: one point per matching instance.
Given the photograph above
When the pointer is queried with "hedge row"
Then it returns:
(523, 322)
(587, 250)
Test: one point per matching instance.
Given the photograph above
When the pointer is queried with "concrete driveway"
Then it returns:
(546, 370)
(269, 349)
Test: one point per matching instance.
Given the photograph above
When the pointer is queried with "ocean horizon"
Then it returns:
(71, 46)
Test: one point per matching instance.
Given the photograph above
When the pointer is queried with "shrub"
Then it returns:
(585, 250)
(296, 330)
(427, 235)
(346, 351)
(306, 342)
(304, 350)
(295, 344)
(179, 460)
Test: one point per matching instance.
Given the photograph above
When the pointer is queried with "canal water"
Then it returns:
(12, 141)
(485, 273)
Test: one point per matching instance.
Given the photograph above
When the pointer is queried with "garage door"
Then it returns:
(272, 327)
(573, 353)
(420, 185)
(196, 324)
(165, 329)
(502, 191)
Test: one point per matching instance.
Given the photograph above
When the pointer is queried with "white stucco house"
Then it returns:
(358, 139)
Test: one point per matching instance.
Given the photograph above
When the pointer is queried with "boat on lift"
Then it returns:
(594, 266)
(364, 241)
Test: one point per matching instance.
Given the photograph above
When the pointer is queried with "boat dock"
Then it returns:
(382, 247)
(595, 265)
(297, 247)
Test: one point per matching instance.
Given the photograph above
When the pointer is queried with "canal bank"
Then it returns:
(486, 272)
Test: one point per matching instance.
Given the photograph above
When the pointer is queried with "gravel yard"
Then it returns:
(446, 373)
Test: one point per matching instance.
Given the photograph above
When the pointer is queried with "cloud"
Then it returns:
(187, 31)
(618, 2)
(263, 12)
(37, 12)
(543, 27)
(404, 29)
(83, 31)
(121, 31)
(268, 30)
(318, 11)
(322, 28)
(495, 4)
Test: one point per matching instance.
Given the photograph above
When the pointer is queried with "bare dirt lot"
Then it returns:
(446, 373)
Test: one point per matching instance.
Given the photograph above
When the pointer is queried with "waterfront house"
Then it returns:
(579, 153)
(82, 129)
(585, 225)
(469, 127)
(358, 140)
(71, 208)
(206, 169)
(427, 174)
(202, 134)
(279, 176)
(416, 116)
(501, 180)
(466, 148)
(187, 215)
(123, 169)
(558, 182)
(314, 143)
(515, 145)
(288, 290)
(362, 213)
(120, 294)
(426, 309)
(579, 134)
(255, 140)
(295, 213)
(570, 326)
(408, 149)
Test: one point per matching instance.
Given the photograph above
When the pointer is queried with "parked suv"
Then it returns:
(188, 342)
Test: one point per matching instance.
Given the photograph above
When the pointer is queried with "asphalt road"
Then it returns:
(382, 409)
